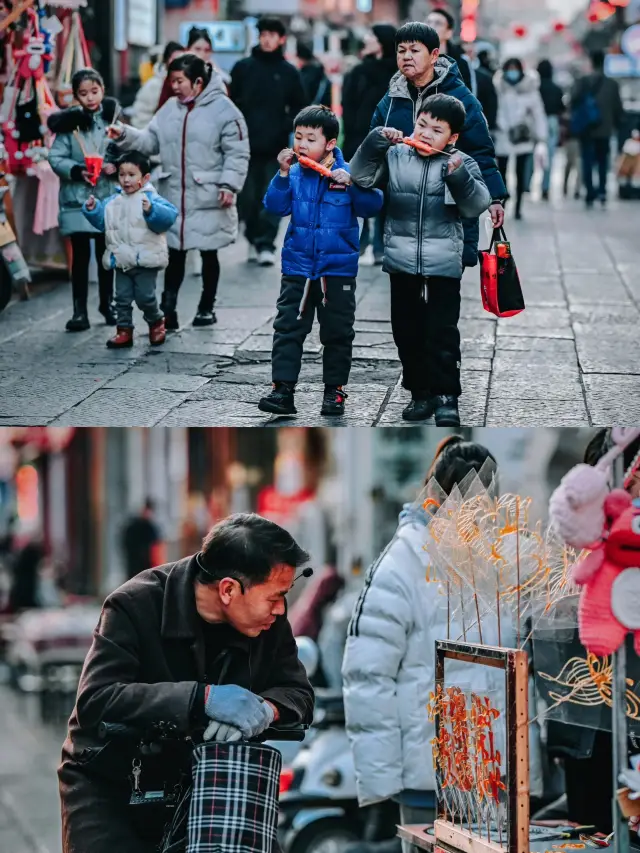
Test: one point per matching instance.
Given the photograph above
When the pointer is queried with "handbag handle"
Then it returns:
(498, 233)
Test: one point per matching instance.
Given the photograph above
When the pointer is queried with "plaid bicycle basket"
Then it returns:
(234, 802)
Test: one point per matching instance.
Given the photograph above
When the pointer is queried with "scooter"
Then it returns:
(319, 810)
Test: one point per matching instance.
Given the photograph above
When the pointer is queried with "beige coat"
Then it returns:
(203, 148)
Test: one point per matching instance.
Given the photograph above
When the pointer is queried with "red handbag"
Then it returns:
(499, 279)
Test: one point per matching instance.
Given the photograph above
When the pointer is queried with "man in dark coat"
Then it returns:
(141, 539)
(316, 84)
(423, 72)
(202, 640)
(269, 91)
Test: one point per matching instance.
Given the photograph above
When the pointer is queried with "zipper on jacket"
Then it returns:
(423, 186)
(184, 177)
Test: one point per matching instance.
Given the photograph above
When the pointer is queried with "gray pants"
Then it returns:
(137, 285)
(410, 815)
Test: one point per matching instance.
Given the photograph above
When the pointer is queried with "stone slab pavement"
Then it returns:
(571, 359)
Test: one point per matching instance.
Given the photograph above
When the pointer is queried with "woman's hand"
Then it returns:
(496, 212)
(115, 131)
(88, 177)
(341, 176)
(226, 198)
(285, 160)
(109, 169)
(392, 134)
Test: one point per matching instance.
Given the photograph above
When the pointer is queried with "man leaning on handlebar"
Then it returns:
(201, 645)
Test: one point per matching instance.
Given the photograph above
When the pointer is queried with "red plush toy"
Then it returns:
(610, 577)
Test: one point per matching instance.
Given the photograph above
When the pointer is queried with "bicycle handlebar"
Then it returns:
(291, 732)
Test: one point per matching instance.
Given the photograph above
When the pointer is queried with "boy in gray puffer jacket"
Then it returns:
(429, 192)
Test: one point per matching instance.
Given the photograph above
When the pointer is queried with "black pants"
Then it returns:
(81, 246)
(261, 227)
(174, 276)
(523, 174)
(426, 333)
(336, 318)
(595, 152)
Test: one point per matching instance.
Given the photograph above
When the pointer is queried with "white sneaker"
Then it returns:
(367, 259)
(266, 258)
(252, 257)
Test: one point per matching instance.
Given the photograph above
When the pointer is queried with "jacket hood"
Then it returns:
(77, 118)
(529, 83)
(444, 68)
(268, 56)
(215, 88)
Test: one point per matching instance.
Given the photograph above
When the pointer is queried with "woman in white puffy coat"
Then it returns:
(389, 662)
(522, 124)
(202, 140)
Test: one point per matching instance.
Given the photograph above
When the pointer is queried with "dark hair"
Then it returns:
(545, 69)
(246, 547)
(135, 158)
(270, 24)
(386, 35)
(447, 15)
(454, 459)
(321, 117)
(197, 33)
(193, 68)
(149, 503)
(415, 31)
(170, 48)
(597, 58)
(446, 108)
(82, 76)
(304, 51)
(601, 443)
(513, 62)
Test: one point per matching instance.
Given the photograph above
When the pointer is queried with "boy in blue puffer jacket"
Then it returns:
(319, 260)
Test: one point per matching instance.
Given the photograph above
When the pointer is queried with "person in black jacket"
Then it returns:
(364, 86)
(553, 100)
(316, 84)
(269, 91)
(200, 641)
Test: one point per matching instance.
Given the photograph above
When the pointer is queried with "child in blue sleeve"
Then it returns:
(135, 221)
(319, 260)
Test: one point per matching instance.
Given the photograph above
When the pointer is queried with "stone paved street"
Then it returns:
(570, 360)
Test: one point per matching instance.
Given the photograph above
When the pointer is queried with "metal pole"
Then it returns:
(619, 717)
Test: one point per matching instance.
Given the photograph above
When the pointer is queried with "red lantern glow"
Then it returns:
(559, 27)
(520, 31)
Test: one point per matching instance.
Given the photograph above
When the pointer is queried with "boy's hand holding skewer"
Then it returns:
(285, 161)
(455, 161)
(394, 136)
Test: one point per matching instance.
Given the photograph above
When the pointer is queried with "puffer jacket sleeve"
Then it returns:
(476, 142)
(162, 215)
(368, 166)
(234, 142)
(61, 157)
(96, 216)
(145, 141)
(469, 191)
(376, 645)
(278, 197)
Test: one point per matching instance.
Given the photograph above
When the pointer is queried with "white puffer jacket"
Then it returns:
(519, 104)
(203, 147)
(389, 670)
(134, 238)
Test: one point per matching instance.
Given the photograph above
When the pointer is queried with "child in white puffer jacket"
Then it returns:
(135, 221)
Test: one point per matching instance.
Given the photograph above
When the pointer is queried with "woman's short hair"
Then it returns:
(454, 459)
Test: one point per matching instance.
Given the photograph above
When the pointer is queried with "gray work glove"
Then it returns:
(222, 732)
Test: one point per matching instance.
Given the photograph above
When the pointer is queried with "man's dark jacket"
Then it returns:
(269, 92)
(363, 87)
(399, 108)
(148, 664)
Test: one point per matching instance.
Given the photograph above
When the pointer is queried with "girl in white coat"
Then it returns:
(202, 140)
(522, 124)
(389, 662)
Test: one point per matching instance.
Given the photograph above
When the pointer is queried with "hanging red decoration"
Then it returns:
(520, 31)
(559, 26)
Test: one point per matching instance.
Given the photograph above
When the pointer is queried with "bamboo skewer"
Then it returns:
(80, 143)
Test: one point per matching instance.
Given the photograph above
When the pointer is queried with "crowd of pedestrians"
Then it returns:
(261, 144)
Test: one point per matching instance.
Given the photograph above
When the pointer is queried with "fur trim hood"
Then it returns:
(77, 118)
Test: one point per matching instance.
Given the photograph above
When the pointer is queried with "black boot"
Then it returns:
(108, 311)
(205, 317)
(80, 321)
(420, 408)
(333, 401)
(168, 305)
(280, 400)
(446, 410)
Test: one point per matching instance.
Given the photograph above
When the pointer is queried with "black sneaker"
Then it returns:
(446, 410)
(280, 400)
(419, 410)
(205, 318)
(171, 322)
(333, 401)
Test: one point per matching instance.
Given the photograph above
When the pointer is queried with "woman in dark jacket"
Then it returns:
(553, 100)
